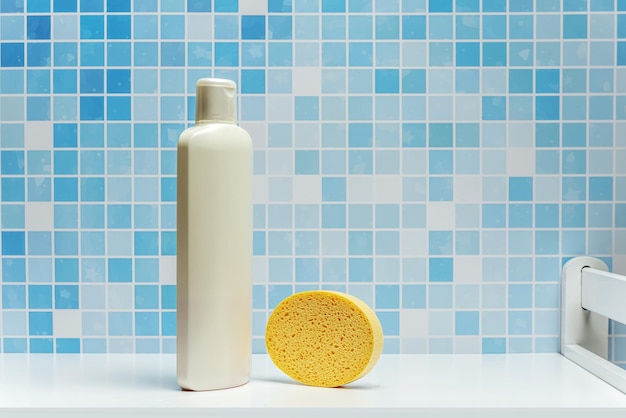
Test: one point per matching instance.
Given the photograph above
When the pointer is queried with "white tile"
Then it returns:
(307, 189)
(467, 345)
(67, 323)
(414, 243)
(521, 135)
(387, 189)
(38, 135)
(520, 162)
(621, 80)
(65, 26)
(257, 132)
(247, 7)
(167, 269)
(414, 54)
(39, 216)
(467, 189)
(259, 270)
(413, 323)
(414, 161)
(440, 215)
(307, 135)
(120, 296)
(199, 26)
(119, 243)
(414, 345)
(280, 162)
(620, 139)
(280, 108)
(307, 81)
(547, 189)
(619, 264)
(360, 189)
(259, 191)
(468, 269)
(467, 108)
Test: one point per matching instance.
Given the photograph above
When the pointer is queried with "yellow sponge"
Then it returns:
(324, 338)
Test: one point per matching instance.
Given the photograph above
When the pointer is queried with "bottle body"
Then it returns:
(214, 257)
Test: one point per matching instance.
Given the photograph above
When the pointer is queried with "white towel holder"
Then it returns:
(590, 296)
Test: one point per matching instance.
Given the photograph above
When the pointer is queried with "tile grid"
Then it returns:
(374, 156)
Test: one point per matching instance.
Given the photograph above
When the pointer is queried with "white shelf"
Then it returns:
(120, 386)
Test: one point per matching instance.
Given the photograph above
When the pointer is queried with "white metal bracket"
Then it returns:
(587, 293)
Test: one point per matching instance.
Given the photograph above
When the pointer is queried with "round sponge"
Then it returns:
(324, 338)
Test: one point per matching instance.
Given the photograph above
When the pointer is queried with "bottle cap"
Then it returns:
(216, 100)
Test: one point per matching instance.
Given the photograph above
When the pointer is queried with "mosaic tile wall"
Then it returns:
(439, 159)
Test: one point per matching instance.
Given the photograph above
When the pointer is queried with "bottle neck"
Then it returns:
(213, 122)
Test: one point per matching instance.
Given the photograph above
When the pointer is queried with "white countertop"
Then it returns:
(120, 386)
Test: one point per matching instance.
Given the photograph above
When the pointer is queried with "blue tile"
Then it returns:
(387, 27)
(520, 323)
(440, 242)
(39, 297)
(67, 345)
(387, 81)
(333, 216)
(387, 296)
(494, 5)
(521, 27)
(307, 270)
(360, 269)
(493, 108)
(119, 270)
(38, 55)
(38, 27)
(601, 188)
(205, 6)
(440, 27)
(494, 216)
(520, 188)
(280, 27)
(118, 27)
(66, 297)
(12, 6)
(252, 27)
(147, 297)
(494, 27)
(413, 27)
(494, 54)
(172, 54)
(440, 296)
(40, 323)
(574, 26)
(575, 6)
(413, 296)
(440, 269)
(14, 297)
(91, 27)
(360, 54)
(120, 324)
(467, 26)
(602, 5)
(390, 322)
(333, 6)
(466, 323)
(547, 107)
(41, 345)
(521, 54)
(546, 215)
(440, 6)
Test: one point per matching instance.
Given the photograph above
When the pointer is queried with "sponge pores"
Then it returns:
(324, 338)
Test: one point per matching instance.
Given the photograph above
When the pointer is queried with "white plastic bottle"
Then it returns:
(214, 244)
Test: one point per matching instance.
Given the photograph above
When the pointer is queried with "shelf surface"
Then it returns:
(126, 385)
